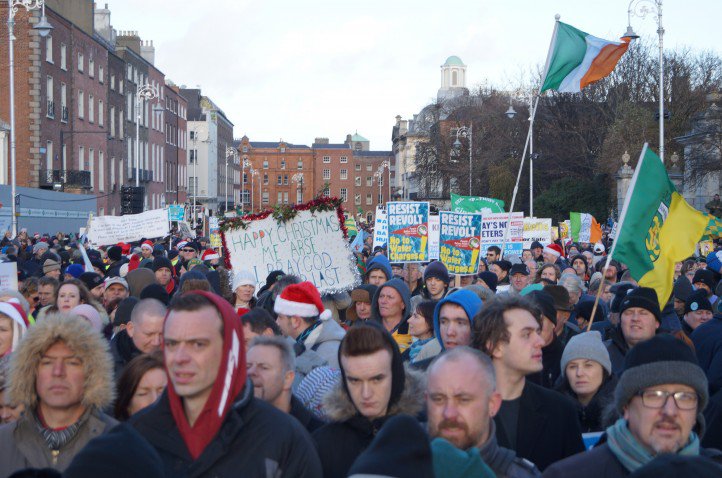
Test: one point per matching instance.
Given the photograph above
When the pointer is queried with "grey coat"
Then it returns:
(24, 447)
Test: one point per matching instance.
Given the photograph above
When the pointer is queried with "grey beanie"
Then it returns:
(587, 345)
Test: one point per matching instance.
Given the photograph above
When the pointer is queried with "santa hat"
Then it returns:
(209, 255)
(14, 310)
(147, 245)
(554, 249)
(124, 248)
(302, 300)
(133, 263)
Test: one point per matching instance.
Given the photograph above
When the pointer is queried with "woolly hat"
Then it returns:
(161, 262)
(155, 291)
(697, 300)
(536, 245)
(643, 297)
(362, 293)
(40, 245)
(706, 277)
(89, 313)
(114, 253)
(560, 295)
(682, 288)
(674, 465)
(75, 270)
(587, 345)
(584, 309)
(315, 386)
(714, 261)
(50, 265)
(554, 249)
(490, 279)
(620, 290)
(470, 302)
(660, 360)
(91, 279)
(209, 255)
(400, 449)
(438, 270)
(14, 310)
(545, 302)
(302, 300)
(243, 277)
(122, 312)
(147, 245)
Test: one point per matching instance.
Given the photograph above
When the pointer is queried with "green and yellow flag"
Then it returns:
(657, 227)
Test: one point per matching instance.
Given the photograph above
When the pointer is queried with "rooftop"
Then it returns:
(453, 61)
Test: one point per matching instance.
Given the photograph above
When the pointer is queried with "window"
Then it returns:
(381, 180)
(193, 156)
(299, 196)
(63, 103)
(100, 113)
(91, 166)
(101, 171)
(344, 194)
(280, 198)
(81, 61)
(120, 87)
(283, 164)
(344, 159)
(280, 180)
(112, 173)
(369, 199)
(327, 159)
(285, 179)
(120, 124)
(91, 108)
(81, 104)
(63, 57)
(368, 167)
(285, 197)
(245, 149)
(369, 181)
(111, 116)
(283, 149)
(112, 82)
(381, 198)
(358, 167)
(49, 95)
(49, 155)
(326, 174)
(357, 181)
(265, 178)
(91, 67)
(264, 196)
(49, 49)
(357, 199)
(101, 74)
(300, 164)
(81, 158)
(344, 174)
(326, 192)
(265, 164)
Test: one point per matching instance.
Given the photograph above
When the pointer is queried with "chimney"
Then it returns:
(101, 17)
(321, 141)
(147, 51)
(131, 40)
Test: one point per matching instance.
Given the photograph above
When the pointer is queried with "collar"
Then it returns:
(498, 458)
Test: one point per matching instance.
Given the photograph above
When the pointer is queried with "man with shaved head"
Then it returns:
(141, 335)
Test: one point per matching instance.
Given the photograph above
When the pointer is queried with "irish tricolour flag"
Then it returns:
(577, 59)
(584, 228)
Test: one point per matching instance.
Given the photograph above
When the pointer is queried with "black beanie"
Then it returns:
(697, 300)
(584, 310)
(682, 288)
(155, 291)
(545, 302)
(490, 279)
(642, 297)
(706, 277)
(438, 270)
(91, 279)
(160, 262)
(400, 449)
(122, 313)
(674, 465)
(115, 253)
(619, 290)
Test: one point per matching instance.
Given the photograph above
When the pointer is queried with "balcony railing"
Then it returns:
(64, 178)
(51, 109)
(64, 117)
(145, 175)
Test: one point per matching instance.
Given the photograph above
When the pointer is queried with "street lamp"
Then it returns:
(43, 27)
(298, 179)
(194, 154)
(640, 8)
(379, 176)
(463, 131)
(511, 113)
(230, 153)
(144, 92)
(245, 164)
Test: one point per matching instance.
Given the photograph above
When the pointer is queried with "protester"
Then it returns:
(211, 425)
(47, 294)
(94, 283)
(697, 311)
(270, 363)
(540, 425)
(501, 268)
(548, 272)
(414, 278)
(51, 268)
(454, 318)
(142, 334)
(421, 328)
(258, 322)
(9, 412)
(489, 280)
(302, 317)
(164, 274)
(461, 402)
(140, 384)
(562, 305)
(138, 280)
(660, 398)
(360, 309)
(493, 254)
(378, 271)
(553, 347)
(707, 339)
(519, 278)
(13, 325)
(374, 386)
(71, 293)
(244, 286)
(436, 281)
(62, 374)
(553, 254)
(391, 306)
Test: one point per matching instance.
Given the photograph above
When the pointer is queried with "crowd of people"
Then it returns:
(154, 359)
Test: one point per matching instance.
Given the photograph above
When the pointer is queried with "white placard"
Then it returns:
(106, 230)
(381, 228)
(185, 230)
(492, 232)
(310, 246)
(9, 275)
(434, 231)
(537, 229)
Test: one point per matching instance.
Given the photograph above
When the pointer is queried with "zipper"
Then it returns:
(55, 454)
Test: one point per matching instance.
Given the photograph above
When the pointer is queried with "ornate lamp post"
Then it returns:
(298, 179)
(463, 132)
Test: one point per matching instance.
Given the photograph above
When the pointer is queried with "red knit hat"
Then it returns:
(554, 249)
(302, 300)
(209, 255)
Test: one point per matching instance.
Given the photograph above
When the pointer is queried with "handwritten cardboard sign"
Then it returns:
(408, 223)
(106, 230)
(9, 275)
(460, 239)
(310, 246)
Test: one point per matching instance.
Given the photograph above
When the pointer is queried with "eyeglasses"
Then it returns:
(188, 250)
(658, 399)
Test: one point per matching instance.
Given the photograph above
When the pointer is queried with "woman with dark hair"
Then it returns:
(141, 383)
(421, 328)
(548, 271)
(579, 264)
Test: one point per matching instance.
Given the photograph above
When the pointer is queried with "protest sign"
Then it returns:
(460, 241)
(357, 245)
(492, 232)
(310, 245)
(564, 230)
(476, 204)
(9, 275)
(434, 226)
(705, 248)
(408, 231)
(106, 230)
(381, 228)
(185, 230)
(214, 232)
(176, 212)
(536, 229)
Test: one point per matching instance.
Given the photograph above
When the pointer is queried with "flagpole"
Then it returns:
(620, 224)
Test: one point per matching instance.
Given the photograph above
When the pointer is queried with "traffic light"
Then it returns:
(131, 199)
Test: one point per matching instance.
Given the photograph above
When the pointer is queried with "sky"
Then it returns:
(300, 69)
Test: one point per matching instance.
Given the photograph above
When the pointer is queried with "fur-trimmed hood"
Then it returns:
(338, 406)
(78, 335)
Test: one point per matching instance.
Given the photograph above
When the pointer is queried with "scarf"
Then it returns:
(416, 347)
(452, 462)
(304, 335)
(230, 380)
(57, 438)
(170, 286)
(631, 454)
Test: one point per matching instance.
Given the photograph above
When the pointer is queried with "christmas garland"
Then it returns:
(282, 213)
